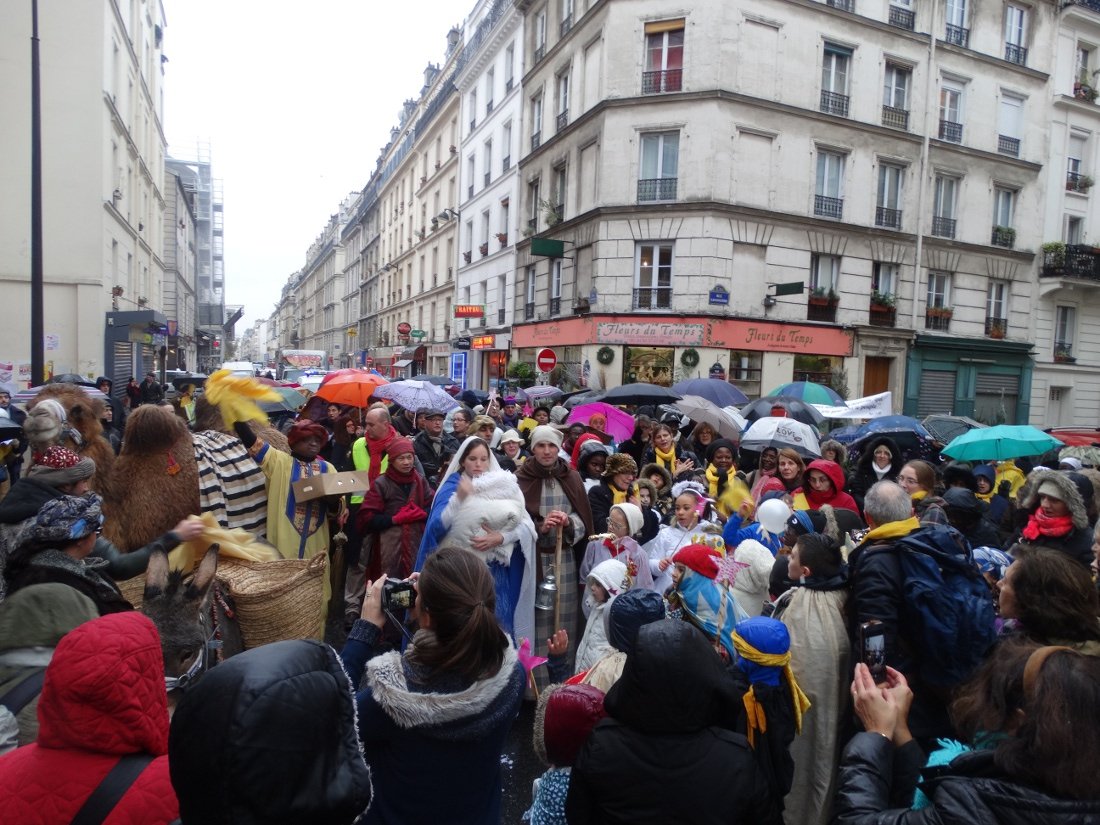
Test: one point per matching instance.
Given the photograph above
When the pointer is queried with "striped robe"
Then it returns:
(232, 486)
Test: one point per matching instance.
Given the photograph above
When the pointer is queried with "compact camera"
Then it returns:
(398, 595)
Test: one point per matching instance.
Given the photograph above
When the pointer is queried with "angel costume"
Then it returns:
(496, 504)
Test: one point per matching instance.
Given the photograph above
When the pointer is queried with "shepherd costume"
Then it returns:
(392, 517)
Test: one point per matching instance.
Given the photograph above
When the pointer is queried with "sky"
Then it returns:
(296, 101)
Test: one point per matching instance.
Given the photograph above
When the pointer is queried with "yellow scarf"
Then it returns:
(986, 497)
(666, 460)
(893, 530)
(918, 495)
(712, 484)
(757, 720)
(617, 496)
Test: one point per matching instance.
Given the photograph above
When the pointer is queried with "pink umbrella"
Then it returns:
(620, 425)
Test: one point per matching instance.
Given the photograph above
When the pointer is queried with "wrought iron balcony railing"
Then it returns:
(829, 207)
(834, 103)
(890, 218)
(951, 131)
(957, 35)
(657, 189)
(894, 117)
(943, 227)
(667, 80)
(659, 297)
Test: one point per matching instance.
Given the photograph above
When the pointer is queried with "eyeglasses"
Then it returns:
(616, 525)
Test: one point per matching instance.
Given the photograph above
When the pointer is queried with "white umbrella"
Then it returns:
(773, 431)
(414, 395)
(702, 411)
(28, 395)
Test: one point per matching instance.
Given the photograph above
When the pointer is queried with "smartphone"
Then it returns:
(872, 643)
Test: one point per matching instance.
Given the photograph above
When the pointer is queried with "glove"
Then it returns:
(409, 514)
(1004, 488)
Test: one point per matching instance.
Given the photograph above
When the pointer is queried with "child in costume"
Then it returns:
(625, 522)
(606, 581)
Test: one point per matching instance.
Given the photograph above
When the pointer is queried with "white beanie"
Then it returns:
(558, 414)
(634, 519)
(544, 433)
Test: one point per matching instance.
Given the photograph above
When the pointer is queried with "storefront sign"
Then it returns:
(437, 350)
(463, 343)
(483, 342)
(771, 337)
(418, 333)
(646, 333)
(469, 310)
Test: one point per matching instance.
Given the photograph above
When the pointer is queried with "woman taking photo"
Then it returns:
(433, 720)
(479, 507)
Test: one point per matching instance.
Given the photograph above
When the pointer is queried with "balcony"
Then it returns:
(895, 118)
(829, 207)
(889, 218)
(951, 131)
(834, 103)
(555, 306)
(996, 327)
(488, 177)
(533, 225)
(563, 120)
(902, 18)
(821, 307)
(943, 227)
(488, 107)
(539, 53)
(566, 25)
(938, 318)
(536, 141)
(669, 80)
(529, 311)
(881, 314)
(506, 164)
(508, 84)
(1071, 261)
(1008, 145)
(957, 36)
(1015, 54)
(1078, 182)
(657, 189)
(484, 249)
(500, 317)
(653, 298)
(843, 5)
(1003, 236)
(1063, 353)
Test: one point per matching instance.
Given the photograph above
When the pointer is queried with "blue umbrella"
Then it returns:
(845, 435)
(809, 392)
(718, 392)
(893, 424)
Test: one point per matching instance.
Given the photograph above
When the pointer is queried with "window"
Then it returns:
(660, 162)
(533, 205)
(951, 111)
(1082, 73)
(996, 308)
(835, 64)
(563, 100)
(664, 61)
(829, 197)
(888, 209)
(470, 167)
(937, 311)
(559, 192)
(895, 96)
(1074, 230)
(1004, 209)
(1065, 323)
(1015, 34)
(1075, 173)
(488, 164)
(566, 16)
(506, 146)
(653, 276)
(490, 82)
(884, 278)
(509, 67)
(473, 108)
(540, 36)
(1009, 124)
(536, 122)
(824, 274)
(504, 210)
(529, 303)
(956, 31)
(555, 286)
(943, 206)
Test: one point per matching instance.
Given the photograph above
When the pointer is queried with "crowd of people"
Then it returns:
(710, 634)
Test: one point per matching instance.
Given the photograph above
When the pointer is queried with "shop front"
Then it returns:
(754, 355)
(408, 362)
(134, 343)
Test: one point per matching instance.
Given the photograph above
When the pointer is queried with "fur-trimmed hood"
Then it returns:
(867, 455)
(1069, 494)
(463, 715)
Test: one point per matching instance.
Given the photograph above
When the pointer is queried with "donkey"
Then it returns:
(179, 606)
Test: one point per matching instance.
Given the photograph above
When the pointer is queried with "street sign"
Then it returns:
(719, 296)
(462, 343)
(547, 247)
(404, 328)
(546, 359)
(418, 333)
(792, 288)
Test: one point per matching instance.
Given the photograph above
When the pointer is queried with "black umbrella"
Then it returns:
(180, 381)
(575, 399)
(640, 393)
(473, 398)
(796, 409)
(71, 378)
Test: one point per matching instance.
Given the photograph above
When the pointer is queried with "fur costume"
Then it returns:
(499, 505)
(82, 432)
(207, 417)
(155, 481)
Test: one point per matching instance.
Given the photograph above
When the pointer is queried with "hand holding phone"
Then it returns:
(872, 644)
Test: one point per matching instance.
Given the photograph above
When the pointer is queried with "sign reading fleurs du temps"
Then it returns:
(649, 333)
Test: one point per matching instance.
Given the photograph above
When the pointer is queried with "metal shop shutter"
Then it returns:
(937, 393)
(123, 367)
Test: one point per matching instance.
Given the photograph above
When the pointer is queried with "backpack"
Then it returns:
(948, 605)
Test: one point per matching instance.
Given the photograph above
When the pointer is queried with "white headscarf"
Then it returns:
(456, 461)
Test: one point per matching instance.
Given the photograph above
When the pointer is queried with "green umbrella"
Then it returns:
(1000, 442)
(291, 400)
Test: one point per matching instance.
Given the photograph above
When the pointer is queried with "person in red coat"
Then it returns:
(823, 483)
(103, 699)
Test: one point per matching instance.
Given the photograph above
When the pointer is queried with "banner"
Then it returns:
(872, 406)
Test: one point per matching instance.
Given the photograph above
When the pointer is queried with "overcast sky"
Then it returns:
(296, 101)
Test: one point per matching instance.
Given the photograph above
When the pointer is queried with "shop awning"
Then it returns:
(400, 365)
(416, 353)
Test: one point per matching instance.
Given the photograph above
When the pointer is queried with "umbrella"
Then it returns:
(620, 424)
(28, 395)
(291, 400)
(845, 435)
(537, 393)
(311, 382)
(721, 393)
(796, 409)
(574, 399)
(702, 411)
(413, 395)
(1001, 442)
(1089, 456)
(437, 380)
(738, 419)
(71, 378)
(640, 393)
(893, 424)
(353, 389)
(946, 427)
(776, 432)
(474, 398)
(198, 379)
(809, 392)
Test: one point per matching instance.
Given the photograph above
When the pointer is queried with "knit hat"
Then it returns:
(511, 437)
(611, 575)
(630, 611)
(59, 466)
(620, 463)
(633, 514)
(1049, 488)
(1069, 463)
(700, 558)
(960, 498)
(558, 414)
(482, 421)
(543, 433)
(718, 444)
(399, 446)
(564, 717)
(656, 469)
(65, 519)
(303, 429)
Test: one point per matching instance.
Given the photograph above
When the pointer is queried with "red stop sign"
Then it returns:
(546, 360)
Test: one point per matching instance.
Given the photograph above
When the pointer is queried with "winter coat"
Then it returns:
(151, 392)
(611, 575)
(103, 698)
(1077, 543)
(750, 588)
(805, 498)
(668, 753)
(391, 547)
(268, 738)
(433, 746)
(682, 454)
(671, 538)
(876, 783)
(864, 476)
(434, 464)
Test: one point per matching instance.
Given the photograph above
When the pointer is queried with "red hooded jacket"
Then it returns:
(836, 497)
(103, 698)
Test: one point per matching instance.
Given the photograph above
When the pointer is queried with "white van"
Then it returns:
(239, 368)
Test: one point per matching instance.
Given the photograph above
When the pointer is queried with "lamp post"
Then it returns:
(38, 329)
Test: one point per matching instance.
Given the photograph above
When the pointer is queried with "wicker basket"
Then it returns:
(276, 600)
(133, 590)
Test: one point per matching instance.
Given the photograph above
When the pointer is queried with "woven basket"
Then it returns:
(276, 600)
(133, 590)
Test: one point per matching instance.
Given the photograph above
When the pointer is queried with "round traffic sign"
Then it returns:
(546, 359)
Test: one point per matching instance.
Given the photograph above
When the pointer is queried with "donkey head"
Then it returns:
(177, 604)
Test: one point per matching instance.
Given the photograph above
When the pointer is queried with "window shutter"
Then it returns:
(937, 393)
(664, 26)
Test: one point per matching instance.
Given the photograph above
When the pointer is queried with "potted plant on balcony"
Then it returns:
(467, 256)
(1004, 236)
(454, 149)
(484, 249)
(997, 328)
(820, 296)
(1063, 354)
(503, 238)
(1054, 257)
(882, 301)
(942, 313)
(439, 164)
(1083, 88)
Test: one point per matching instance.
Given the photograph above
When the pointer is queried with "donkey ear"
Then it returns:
(204, 575)
(156, 576)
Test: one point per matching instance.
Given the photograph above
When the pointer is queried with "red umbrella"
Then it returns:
(353, 389)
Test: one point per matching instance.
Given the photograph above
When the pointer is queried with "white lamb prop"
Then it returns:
(495, 504)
